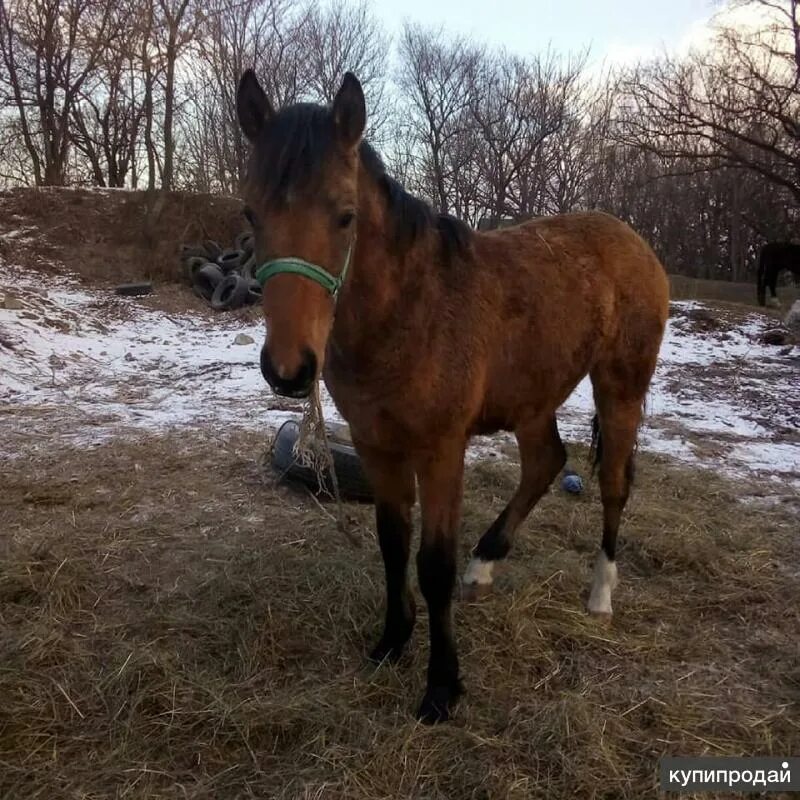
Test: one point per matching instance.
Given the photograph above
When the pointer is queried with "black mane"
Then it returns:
(294, 146)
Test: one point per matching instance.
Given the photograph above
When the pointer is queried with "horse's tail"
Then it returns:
(596, 447)
(761, 279)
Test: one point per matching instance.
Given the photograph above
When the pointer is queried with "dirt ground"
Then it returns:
(173, 624)
(111, 236)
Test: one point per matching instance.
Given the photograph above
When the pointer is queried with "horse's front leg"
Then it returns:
(392, 480)
(440, 476)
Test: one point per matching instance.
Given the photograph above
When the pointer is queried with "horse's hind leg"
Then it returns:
(619, 423)
(542, 455)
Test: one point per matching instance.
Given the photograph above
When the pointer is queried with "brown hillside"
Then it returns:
(111, 235)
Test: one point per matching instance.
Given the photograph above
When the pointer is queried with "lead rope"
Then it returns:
(312, 449)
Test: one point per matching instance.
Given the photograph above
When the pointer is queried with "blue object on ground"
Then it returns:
(571, 482)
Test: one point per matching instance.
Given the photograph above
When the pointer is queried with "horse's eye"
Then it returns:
(346, 219)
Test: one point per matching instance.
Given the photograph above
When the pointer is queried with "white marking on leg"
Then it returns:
(603, 583)
(479, 571)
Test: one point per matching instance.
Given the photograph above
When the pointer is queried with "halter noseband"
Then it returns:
(298, 266)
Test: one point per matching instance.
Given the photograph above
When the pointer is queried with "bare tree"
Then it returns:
(15, 167)
(177, 25)
(519, 106)
(107, 119)
(150, 66)
(341, 37)
(435, 75)
(236, 35)
(578, 147)
(737, 101)
(49, 49)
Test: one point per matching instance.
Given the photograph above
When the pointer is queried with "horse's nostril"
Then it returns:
(267, 369)
(308, 370)
(298, 385)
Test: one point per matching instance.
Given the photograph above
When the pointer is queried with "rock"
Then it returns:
(11, 303)
(792, 318)
(130, 357)
(243, 338)
(702, 319)
(776, 336)
(58, 324)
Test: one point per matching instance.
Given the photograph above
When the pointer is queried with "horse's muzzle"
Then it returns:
(297, 386)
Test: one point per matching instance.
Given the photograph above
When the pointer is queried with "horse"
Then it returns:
(773, 258)
(427, 333)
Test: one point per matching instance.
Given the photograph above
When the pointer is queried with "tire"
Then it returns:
(211, 249)
(353, 483)
(248, 268)
(254, 292)
(206, 279)
(244, 242)
(193, 251)
(232, 292)
(230, 261)
(133, 289)
(193, 264)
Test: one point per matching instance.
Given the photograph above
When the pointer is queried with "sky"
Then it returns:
(615, 30)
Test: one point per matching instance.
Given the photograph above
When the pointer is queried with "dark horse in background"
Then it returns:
(772, 260)
(428, 333)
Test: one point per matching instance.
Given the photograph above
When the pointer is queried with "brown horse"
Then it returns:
(439, 333)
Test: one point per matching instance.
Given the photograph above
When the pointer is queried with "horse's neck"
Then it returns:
(388, 292)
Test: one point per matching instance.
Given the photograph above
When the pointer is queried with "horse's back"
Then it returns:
(578, 291)
(586, 260)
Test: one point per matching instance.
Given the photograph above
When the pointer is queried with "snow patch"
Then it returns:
(112, 366)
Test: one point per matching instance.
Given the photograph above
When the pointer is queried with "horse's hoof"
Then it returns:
(604, 617)
(386, 652)
(394, 638)
(438, 702)
(474, 592)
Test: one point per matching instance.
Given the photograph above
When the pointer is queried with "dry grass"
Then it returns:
(172, 625)
(683, 287)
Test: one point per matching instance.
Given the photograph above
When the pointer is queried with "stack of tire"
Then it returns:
(224, 277)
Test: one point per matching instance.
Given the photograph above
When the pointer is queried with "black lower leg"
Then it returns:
(394, 534)
(495, 543)
(610, 536)
(613, 506)
(437, 575)
(543, 455)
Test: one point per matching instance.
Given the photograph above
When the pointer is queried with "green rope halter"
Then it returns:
(298, 266)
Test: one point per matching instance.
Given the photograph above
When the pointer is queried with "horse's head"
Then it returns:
(301, 192)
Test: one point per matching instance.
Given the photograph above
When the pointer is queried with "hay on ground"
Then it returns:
(172, 624)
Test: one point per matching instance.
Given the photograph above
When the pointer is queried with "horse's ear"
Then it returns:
(350, 111)
(252, 105)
